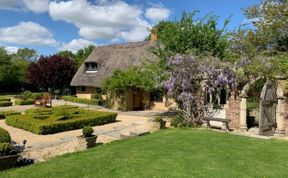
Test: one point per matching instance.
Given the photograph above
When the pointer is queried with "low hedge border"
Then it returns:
(83, 101)
(24, 102)
(4, 114)
(5, 99)
(5, 103)
(55, 124)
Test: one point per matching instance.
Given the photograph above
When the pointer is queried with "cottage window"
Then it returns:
(91, 67)
(82, 88)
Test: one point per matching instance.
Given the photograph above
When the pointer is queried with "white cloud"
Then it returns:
(157, 14)
(36, 6)
(76, 44)
(103, 20)
(11, 49)
(27, 33)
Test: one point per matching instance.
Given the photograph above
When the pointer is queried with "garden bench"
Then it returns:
(225, 122)
(45, 101)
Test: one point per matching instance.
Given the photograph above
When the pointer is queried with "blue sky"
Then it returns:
(51, 26)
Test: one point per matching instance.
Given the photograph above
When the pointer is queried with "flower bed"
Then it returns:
(57, 119)
(84, 101)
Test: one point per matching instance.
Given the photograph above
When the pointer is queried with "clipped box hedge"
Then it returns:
(5, 103)
(24, 102)
(5, 98)
(58, 119)
(81, 100)
(4, 114)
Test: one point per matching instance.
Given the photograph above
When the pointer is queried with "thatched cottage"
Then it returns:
(103, 61)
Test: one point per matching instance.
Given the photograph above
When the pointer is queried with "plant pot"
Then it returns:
(87, 142)
(156, 125)
(7, 162)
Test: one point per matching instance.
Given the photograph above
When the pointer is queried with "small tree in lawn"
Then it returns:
(52, 72)
(190, 81)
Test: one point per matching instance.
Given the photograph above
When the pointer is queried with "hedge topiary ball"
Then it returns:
(4, 136)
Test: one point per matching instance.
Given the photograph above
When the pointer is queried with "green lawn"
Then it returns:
(170, 153)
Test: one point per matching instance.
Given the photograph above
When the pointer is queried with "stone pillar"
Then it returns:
(279, 116)
(243, 113)
(280, 108)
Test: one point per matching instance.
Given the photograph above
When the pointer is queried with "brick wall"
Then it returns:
(233, 111)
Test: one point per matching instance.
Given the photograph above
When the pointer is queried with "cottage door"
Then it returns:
(267, 122)
(137, 100)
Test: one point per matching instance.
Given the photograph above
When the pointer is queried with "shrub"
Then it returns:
(36, 120)
(26, 95)
(84, 101)
(87, 131)
(4, 136)
(4, 114)
(161, 121)
(24, 102)
(5, 99)
(178, 121)
(5, 149)
(5, 103)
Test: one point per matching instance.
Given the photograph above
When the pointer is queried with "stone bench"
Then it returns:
(224, 122)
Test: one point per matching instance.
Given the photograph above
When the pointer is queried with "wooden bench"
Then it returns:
(45, 101)
(225, 122)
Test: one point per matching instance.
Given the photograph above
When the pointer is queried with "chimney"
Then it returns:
(153, 35)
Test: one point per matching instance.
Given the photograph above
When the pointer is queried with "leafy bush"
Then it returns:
(4, 136)
(87, 131)
(59, 119)
(4, 114)
(5, 103)
(84, 101)
(24, 102)
(161, 121)
(5, 149)
(26, 95)
(178, 121)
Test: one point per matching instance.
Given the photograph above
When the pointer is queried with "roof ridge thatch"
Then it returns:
(110, 58)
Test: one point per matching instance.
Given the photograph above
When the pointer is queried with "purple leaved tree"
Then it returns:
(190, 82)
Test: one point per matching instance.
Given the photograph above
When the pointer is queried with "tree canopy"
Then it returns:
(52, 72)
(133, 77)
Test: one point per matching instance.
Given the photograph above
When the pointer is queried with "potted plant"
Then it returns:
(87, 140)
(7, 158)
(158, 123)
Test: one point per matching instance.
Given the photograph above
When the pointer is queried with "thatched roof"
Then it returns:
(112, 57)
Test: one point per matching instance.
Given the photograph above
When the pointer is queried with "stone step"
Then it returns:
(134, 133)
(254, 130)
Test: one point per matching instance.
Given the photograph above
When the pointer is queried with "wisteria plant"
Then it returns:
(190, 82)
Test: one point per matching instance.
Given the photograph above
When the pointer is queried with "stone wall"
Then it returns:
(87, 94)
(285, 114)
(233, 111)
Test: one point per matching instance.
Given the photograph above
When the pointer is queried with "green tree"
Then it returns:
(66, 53)
(270, 33)
(189, 35)
(13, 68)
(82, 54)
